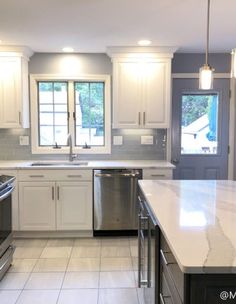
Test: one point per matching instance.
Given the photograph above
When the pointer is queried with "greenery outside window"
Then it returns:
(76, 105)
(89, 110)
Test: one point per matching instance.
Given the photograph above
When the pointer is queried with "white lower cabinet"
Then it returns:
(48, 203)
(74, 207)
(37, 206)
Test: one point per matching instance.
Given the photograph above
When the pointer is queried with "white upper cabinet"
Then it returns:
(14, 99)
(141, 87)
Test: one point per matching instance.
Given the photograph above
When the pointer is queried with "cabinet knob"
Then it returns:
(175, 161)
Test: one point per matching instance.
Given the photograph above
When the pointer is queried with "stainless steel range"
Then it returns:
(6, 248)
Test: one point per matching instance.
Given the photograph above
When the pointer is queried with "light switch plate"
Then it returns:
(117, 140)
(24, 140)
(147, 140)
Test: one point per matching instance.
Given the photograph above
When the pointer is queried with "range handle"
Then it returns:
(6, 194)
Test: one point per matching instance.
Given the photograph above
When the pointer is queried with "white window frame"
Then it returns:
(35, 78)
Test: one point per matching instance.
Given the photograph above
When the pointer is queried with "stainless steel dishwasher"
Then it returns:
(115, 200)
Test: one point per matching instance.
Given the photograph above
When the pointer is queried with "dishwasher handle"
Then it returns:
(137, 174)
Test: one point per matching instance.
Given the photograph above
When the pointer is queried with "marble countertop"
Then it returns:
(91, 164)
(198, 220)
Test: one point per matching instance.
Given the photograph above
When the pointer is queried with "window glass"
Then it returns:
(53, 109)
(199, 125)
(89, 114)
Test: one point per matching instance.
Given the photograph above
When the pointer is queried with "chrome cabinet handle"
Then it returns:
(78, 175)
(53, 193)
(165, 259)
(144, 118)
(36, 175)
(162, 298)
(158, 175)
(139, 118)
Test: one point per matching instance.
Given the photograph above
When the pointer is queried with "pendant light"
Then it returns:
(233, 63)
(206, 71)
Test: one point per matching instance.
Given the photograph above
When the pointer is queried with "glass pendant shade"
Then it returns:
(233, 64)
(206, 71)
(206, 77)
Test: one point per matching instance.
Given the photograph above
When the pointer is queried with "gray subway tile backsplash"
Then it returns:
(132, 149)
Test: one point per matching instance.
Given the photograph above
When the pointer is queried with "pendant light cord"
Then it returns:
(208, 27)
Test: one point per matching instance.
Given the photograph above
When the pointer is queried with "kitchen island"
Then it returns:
(197, 242)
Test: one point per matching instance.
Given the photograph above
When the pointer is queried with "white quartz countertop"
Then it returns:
(198, 220)
(93, 164)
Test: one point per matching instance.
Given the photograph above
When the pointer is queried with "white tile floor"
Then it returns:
(81, 271)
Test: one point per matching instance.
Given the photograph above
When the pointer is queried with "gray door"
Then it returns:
(200, 130)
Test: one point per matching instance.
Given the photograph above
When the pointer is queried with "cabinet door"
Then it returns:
(37, 205)
(156, 95)
(74, 205)
(126, 95)
(10, 69)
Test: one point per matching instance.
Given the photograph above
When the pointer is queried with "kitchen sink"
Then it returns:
(59, 163)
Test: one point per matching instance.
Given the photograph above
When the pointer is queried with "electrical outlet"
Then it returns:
(117, 140)
(24, 140)
(147, 140)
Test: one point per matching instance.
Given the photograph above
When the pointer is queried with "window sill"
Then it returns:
(65, 150)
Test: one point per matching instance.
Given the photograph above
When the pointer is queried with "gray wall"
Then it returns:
(190, 63)
(85, 64)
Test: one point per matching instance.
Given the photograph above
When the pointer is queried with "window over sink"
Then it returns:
(79, 106)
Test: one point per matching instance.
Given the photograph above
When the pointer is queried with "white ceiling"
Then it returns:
(92, 25)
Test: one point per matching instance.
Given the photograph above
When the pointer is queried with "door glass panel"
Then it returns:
(199, 124)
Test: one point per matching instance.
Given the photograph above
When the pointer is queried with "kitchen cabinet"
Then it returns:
(55, 200)
(74, 207)
(15, 217)
(14, 99)
(37, 205)
(188, 271)
(157, 173)
(171, 277)
(141, 89)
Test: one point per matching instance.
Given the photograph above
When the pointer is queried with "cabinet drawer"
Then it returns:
(168, 292)
(157, 173)
(52, 175)
(171, 266)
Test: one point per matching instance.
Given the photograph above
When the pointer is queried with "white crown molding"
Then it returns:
(150, 51)
(13, 50)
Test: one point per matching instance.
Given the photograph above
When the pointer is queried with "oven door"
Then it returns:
(5, 218)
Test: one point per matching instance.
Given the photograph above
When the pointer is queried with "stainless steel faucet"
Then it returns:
(69, 143)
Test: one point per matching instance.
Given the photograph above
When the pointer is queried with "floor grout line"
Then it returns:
(98, 288)
(65, 272)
